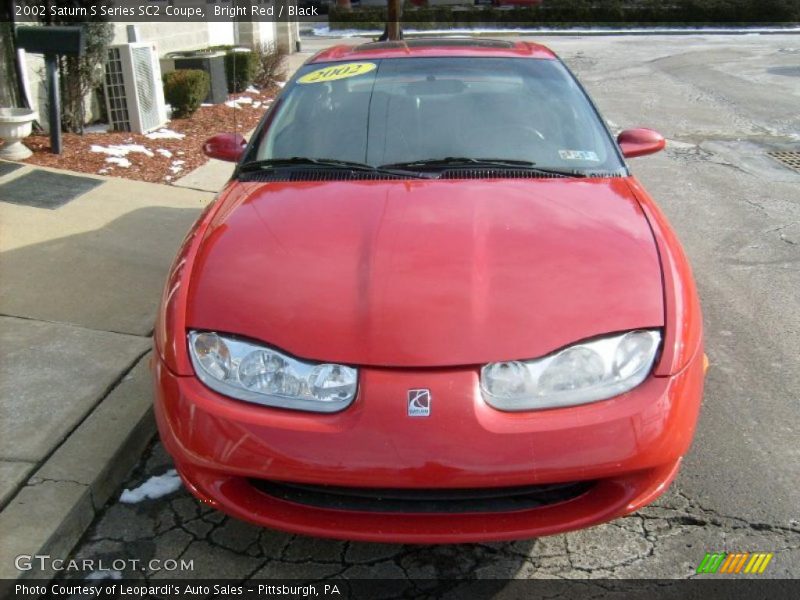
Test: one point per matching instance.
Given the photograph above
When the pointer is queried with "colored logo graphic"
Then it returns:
(734, 563)
(419, 403)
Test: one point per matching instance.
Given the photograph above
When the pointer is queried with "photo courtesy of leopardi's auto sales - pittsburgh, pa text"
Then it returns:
(112, 589)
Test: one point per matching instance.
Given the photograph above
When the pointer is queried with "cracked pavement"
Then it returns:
(723, 102)
(665, 540)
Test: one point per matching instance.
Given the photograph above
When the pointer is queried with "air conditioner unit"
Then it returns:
(134, 94)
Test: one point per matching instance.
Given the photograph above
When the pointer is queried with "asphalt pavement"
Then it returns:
(724, 102)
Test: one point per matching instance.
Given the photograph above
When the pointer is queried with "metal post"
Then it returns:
(54, 99)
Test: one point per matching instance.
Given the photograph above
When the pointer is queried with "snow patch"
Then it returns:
(252, 90)
(155, 487)
(176, 167)
(164, 153)
(237, 101)
(164, 134)
(121, 149)
(280, 83)
(120, 161)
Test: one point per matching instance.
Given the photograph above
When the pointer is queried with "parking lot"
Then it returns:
(724, 103)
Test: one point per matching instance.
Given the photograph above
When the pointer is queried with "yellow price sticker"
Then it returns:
(337, 72)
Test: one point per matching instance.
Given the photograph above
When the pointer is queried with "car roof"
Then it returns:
(433, 47)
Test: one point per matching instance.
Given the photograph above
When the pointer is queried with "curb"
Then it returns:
(54, 508)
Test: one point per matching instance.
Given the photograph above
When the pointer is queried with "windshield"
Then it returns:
(407, 110)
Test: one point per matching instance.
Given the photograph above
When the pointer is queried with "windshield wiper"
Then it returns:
(331, 163)
(453, 161)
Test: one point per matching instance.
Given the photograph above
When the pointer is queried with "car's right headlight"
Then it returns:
(579, 374)
(263, 375)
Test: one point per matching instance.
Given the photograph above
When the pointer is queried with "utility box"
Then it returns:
(134, 91)
(212, 63)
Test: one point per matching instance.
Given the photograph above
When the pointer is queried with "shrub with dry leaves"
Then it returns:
(270, 64)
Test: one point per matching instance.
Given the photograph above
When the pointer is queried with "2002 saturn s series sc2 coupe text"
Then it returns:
(431, 306)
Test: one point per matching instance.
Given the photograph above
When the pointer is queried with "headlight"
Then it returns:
(579, 374)
(262, 375)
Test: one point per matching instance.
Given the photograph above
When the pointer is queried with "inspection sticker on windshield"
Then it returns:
(578, 155)
(337, 72)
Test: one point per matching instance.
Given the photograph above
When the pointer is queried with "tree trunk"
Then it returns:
(393, 20)
(9, 94)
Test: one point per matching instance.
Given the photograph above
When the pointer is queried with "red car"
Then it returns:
(432, 305)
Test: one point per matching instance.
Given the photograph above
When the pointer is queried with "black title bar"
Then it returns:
(197, 11)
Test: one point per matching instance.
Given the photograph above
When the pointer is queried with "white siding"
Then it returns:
(267, 32)
(221, 34)
(169, 37)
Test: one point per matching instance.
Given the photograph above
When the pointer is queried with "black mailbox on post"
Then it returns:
(52, 41)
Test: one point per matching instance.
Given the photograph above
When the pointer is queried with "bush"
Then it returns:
(240, 66)
(239, 69)
(270, 64)
(185, 89)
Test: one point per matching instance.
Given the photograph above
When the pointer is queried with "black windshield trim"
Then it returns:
(301, 162)
(450, 163)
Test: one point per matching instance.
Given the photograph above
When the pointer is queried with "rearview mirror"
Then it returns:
(640, 142)
(225, 146)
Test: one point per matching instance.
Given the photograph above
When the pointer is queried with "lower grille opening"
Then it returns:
(480, 500)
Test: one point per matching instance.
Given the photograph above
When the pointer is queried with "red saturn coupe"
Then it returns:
(432, 305)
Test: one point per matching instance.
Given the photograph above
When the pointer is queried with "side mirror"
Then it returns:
(640, 142)
(225, 146)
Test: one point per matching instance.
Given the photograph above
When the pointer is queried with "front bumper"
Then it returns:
(629, 447)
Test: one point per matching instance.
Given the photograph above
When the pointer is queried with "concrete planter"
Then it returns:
(15, 125)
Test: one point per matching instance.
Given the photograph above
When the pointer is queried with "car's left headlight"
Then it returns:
(579, 374)
(263, 375)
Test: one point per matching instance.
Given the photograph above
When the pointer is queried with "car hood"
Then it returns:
(426, 273)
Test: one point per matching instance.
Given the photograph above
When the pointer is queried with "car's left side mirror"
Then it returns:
(225, 146)
(640, 142)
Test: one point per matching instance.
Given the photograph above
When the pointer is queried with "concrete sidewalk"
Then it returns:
(80, 288)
